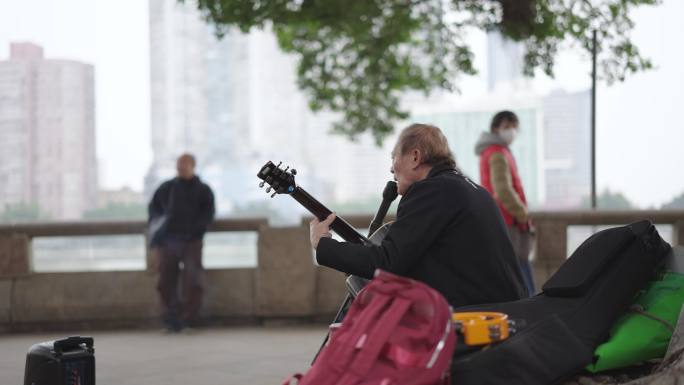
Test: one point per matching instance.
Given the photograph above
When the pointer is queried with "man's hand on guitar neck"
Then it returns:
(319, 229)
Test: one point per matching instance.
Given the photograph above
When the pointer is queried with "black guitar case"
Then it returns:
(573, 313)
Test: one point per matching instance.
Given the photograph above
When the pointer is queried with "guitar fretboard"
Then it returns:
(339, 225)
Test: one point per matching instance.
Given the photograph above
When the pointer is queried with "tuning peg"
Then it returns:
(279, 163)
(293, 172)
(286, 168)
(274, 194)
(261, 184)
(268, 189)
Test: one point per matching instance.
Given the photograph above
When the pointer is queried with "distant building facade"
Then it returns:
(567, 144)
(47, 122)
(235, 104)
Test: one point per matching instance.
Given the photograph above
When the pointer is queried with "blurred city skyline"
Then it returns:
(638, 117)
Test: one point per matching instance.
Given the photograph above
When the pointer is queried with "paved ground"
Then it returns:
(253, 356)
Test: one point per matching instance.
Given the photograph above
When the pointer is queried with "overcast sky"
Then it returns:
(640, 128)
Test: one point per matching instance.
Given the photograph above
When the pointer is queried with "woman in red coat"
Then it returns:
(499, 175)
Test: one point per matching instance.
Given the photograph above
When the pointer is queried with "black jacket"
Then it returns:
(449, 234)
(186, 206)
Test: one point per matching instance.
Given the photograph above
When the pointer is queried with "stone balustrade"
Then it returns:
(285, 285)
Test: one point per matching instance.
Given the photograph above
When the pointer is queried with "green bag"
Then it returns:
(645, 331)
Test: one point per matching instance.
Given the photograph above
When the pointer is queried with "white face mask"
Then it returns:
(508, 135)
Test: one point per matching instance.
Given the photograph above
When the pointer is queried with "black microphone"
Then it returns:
(389, 194)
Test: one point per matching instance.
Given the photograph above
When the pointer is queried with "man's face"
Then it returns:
(404, 168)
(185, 167)
(507, 130)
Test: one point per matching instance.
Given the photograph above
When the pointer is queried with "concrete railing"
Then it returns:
(285, 284)
(552, 228)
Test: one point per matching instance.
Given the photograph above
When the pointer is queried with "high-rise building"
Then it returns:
(552, 149)
(567, 143)
(47, 122)
(463, 124)
(17, 127)
(232, 102)
(178, 46)
(504, 62)
(565, 119)
(246, 109)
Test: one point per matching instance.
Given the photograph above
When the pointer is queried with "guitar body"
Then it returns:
(355, 283)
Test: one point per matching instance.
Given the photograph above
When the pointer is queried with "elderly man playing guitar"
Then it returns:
(448, 232)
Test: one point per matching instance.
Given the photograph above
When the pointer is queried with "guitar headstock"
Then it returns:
(279, 180)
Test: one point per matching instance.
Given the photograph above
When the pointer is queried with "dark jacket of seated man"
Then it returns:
(448, 233)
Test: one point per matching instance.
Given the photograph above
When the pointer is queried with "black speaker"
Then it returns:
(70, 361)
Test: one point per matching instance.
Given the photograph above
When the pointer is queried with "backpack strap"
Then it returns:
(361, 325)
(371, 343)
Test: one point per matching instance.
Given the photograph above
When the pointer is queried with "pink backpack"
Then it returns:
(397, 332)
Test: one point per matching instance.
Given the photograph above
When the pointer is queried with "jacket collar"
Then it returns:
(440, 168)
(192, 180)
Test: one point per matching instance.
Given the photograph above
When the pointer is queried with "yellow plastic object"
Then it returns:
(481, 328)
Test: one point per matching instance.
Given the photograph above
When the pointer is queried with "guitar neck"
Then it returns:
(339, 225)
